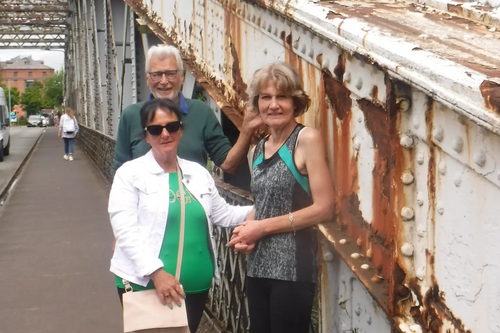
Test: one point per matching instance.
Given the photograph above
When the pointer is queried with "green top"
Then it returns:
(202, 134)
(197, 264)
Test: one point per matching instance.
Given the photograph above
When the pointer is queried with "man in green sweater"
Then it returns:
(202, 133)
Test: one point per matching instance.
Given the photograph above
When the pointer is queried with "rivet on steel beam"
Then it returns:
(406, 141)
(407, 213)
(458, 180)
(416, 121)
(343, 241)
(356, 144)
(303, 49)
(328, 256)
(420, 157)
(440, 207)
(407, 178)
(365, 267)
(358, 310)
(359, 241)
(420, 198)
(416, 328)
(275, 33)
(355, 255)
(296, 44)
(421, 273)
(347, 77)
(369, 320)
(438, 133)
(359, 83)
(311, 53)
(407, 249)
(480, 158)
(404, 105)
(442, 168)
(458, 144)
(360, 119)
(421, 230)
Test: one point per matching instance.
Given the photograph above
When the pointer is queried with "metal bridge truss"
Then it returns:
(34, 24)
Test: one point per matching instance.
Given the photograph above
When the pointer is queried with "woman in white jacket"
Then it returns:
(144, 208)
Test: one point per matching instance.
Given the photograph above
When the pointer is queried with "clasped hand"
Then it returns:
(245, 236)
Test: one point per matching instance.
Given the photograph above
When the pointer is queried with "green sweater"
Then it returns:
(201, 135)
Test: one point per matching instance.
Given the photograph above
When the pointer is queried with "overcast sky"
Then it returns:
(54, 59)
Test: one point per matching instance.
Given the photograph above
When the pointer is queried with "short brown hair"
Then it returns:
(287, 82)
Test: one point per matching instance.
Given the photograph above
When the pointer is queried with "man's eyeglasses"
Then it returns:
(170, 75)
(156, 130)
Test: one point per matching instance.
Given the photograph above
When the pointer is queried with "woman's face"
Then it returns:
(166, 142)
(275, 108)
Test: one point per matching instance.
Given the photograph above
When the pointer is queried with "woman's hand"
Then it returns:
(245, 248)
(247, 233)
(59, 135)
(168, 288)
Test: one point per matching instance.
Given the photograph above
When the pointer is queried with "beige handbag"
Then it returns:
(143, 310)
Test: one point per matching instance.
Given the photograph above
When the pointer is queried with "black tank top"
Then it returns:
(279, 188)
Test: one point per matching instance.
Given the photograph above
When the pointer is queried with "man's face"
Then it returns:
(164, 79)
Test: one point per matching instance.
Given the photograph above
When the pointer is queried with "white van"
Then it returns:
(4, 127)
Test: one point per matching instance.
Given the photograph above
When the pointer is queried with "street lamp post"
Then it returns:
(64, 74)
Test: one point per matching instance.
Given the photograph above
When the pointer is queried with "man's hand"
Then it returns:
(252, 121)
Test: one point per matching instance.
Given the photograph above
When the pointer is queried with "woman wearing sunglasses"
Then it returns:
(144, 207)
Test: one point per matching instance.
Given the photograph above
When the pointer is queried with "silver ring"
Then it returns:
(167, 295)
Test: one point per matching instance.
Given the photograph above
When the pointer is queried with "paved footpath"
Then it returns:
(55, 247)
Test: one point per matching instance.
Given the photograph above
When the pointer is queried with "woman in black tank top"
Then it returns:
(293, 192)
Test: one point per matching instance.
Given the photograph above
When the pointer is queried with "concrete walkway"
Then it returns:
(55, 247)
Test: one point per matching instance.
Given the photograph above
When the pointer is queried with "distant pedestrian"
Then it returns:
(68, 130)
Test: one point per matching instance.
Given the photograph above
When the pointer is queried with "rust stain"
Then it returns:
(332, 15)
(338, 95)
(339, 69)
(491, 94)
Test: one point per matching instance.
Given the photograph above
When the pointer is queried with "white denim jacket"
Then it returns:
(138, 209)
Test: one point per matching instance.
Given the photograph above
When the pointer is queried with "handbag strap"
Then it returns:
(128, 287)
(181, 233)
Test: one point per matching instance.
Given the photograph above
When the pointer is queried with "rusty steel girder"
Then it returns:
(411, 122)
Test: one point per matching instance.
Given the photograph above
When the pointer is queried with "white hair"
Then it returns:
(164, 51)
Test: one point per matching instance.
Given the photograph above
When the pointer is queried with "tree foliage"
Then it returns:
(44, 95)
(32, 98)
(15, 96)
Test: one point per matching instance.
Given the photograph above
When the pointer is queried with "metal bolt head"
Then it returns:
(343, 241)
(420, 198)
(480, 158)
(416, 121)
(438, 133)
(407, 213)
(458, 144)
(404, 105)
(420, 157)
(359, 83)
(406, 141)
(358, 310)
(407, 249)
(407, 178)
(365, 267)
(442, 168)
(356, 144)
(328, 256)
(347, 77)
(440, 207)
(355, 255)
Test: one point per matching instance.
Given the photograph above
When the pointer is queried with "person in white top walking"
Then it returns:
(68, 130)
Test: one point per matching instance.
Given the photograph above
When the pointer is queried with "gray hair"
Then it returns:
(164, 51)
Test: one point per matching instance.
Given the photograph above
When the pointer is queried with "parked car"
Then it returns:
(4, 127)
(35, 121)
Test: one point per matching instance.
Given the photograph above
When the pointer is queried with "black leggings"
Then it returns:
(195, 304)
(278, 306)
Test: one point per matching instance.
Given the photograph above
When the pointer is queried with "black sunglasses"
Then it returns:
(158, 129)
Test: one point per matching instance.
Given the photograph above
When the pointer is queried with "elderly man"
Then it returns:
(202, 133)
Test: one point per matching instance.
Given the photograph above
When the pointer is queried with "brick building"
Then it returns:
(22, 72)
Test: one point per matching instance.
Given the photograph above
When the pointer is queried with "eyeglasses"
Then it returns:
(156, 130)
(170, 75)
